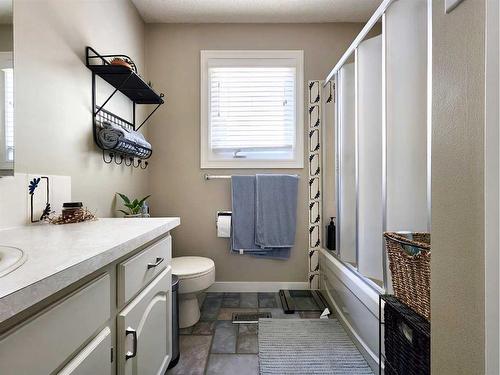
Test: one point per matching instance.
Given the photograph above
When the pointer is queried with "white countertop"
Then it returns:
(59, 255)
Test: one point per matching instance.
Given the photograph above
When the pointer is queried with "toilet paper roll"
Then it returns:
(224, 225)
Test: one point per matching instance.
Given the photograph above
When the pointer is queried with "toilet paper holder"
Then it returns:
(224, 233)
(222, 213)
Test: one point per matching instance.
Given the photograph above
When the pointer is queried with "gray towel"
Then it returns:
(276, 210)
(243, 216)
(110, 136)
(243, 193)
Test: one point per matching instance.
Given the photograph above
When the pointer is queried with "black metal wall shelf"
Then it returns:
(129, 83)
(123, 79)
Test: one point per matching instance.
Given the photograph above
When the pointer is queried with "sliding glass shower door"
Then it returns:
(382, 163)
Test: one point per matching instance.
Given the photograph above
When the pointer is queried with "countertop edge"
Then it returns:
(26, 297)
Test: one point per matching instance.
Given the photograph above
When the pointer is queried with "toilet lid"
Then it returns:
(191, 266)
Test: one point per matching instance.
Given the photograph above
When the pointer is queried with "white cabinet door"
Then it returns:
(144, 330)
(41, 344)
(94, 359)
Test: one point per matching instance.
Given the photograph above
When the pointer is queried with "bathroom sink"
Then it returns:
(10, 259)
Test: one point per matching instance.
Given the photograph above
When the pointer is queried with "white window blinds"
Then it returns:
(9, 113)
(252, 110)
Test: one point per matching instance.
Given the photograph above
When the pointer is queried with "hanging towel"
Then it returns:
(243, 194)
(276, 210)
(243, 216)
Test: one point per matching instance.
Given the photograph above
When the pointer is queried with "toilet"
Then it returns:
(195, 274)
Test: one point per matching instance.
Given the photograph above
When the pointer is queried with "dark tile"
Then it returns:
(210, 308)
(267, 300)
(194, 353)
(225, 337)
(305, 303)
(227, 313)
(248, 329)
(204, 328)
(231, 302)
(310, 314)
(249, 300)
(201, 298)
(241, 364)
(231, 295)
(216, 295)
(186, 331)
(248, 344)
(278, 313)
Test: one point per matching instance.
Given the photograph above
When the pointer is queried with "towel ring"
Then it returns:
(104, 157)
(130, 161)
(138, 163)
(121, 160)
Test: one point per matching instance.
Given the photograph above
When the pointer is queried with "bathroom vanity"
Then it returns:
(91, 298)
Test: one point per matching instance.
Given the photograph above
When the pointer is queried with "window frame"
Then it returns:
(207, 159)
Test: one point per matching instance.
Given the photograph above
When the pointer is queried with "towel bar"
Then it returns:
(208, 177)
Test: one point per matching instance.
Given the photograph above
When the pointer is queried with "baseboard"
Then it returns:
(256, 286)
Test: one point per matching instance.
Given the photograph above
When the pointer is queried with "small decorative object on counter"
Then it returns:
(33, 185)
(72, 215)
(135, 207)
(71, 209)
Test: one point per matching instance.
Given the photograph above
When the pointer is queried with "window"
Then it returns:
(252, 109)
(9, 114)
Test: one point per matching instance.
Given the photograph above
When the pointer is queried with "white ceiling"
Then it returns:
(5, 11)
(255, 11)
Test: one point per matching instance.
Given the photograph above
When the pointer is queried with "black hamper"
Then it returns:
(406, 340)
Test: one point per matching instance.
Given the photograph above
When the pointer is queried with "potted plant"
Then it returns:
(134, 206)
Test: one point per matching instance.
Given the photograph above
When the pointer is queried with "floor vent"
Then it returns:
(250, 318)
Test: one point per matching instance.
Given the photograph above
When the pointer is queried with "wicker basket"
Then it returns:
(407, 341)
(410, 265)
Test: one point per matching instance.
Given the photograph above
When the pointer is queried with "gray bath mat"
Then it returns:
(308, 346)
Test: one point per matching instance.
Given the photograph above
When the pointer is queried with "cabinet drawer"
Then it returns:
(144, 330)
(94, 359)
(43, 343)
(139, 270)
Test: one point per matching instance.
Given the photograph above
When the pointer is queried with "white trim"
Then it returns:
(298, 56)
(256, 286)
(492, 189)
(366, 294)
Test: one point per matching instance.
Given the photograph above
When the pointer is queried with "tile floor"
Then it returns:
(215, 345)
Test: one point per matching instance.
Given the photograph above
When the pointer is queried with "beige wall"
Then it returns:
(6, 40)
(457, 189)
(53, 92)
(173, 56)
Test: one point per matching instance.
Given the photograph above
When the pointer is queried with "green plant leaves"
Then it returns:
(134, 206)
(124, 197)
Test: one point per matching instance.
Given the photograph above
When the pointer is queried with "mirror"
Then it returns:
(6, 89)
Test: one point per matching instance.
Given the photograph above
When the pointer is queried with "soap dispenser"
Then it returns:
(330, 235)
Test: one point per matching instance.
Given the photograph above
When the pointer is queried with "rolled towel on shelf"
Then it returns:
(114, 137)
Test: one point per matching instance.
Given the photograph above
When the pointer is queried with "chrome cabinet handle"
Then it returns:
(153, 265)
(133, 353)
